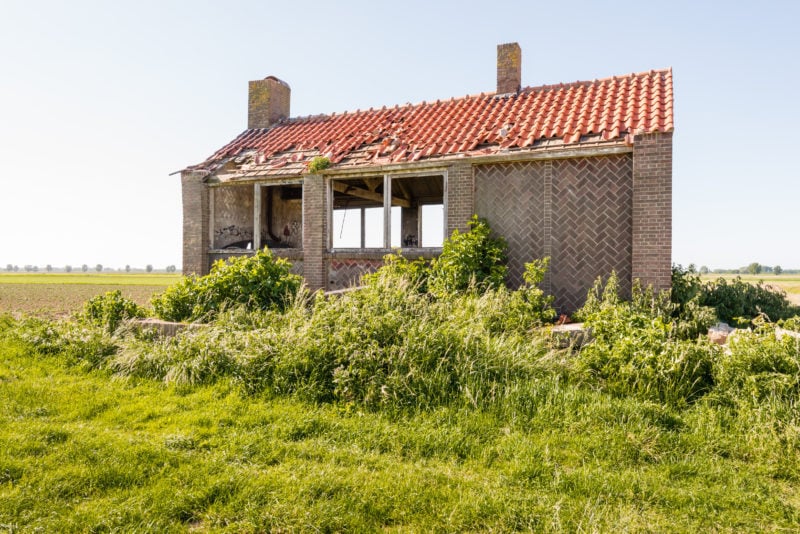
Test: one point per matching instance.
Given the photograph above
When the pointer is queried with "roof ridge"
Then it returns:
(577, 83)
(535, 117)
(482, 94)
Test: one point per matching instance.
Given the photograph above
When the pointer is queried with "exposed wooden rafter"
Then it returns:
(354, 191)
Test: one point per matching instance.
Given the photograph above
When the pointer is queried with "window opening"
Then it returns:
(416, 214)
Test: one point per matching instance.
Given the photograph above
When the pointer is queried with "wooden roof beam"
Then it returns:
(354, 191)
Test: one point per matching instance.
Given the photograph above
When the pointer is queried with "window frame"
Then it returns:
(387, 209)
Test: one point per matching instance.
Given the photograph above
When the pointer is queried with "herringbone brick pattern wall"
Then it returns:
(344, 273)
(591, 226)
(297, 267)
(511, 197)
(578, 211)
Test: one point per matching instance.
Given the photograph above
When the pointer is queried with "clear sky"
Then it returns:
(101, 101)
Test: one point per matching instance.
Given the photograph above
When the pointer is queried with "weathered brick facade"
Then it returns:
(576, 211)
(460, 198)
(511, 197)
(652, 209)
(591, 226)
(560, 171)
(267, 102)
(195, 222)
(314, 231)
(590, 215)
(346, 272)
(509, 68)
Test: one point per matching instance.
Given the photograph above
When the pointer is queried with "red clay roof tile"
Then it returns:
(611, 109)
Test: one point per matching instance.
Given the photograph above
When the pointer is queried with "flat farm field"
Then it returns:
(61, 294)
(790, 283)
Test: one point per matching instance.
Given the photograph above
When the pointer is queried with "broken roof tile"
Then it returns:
(610, 109)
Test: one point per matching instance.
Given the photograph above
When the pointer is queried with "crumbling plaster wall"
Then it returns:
(233, 215)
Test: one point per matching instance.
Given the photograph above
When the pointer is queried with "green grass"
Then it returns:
(83, 451)
(122, 279)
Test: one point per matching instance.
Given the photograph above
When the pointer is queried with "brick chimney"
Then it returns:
(267, 102)
(509, 68)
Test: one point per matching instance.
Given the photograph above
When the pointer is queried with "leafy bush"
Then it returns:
(639, 348)
(258, 282)
(528, 306)
(738, 302)
(110, 310)
(472, 259)
(758, 367)
(414, 272)
(386, 346)
(793, 323)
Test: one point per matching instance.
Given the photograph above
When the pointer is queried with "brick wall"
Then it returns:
(460, 196)
(577, 211)
(194, 193)
(314, 231)
(268, 102)
(509, 68)
(591, 226)
(346, 272)
(652, 209)
(511, 197)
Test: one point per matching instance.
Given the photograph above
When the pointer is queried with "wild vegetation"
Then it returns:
(432, 399)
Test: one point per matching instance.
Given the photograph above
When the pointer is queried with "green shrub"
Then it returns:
(758, 367)
(319, 163)
(386, 346)
(415, 272)
(472, 259)
(639, 348)
(792, 323)
(110, 310)
(528, 306)
(734, 301)
(257, 282)
(738, 302)
(686, 287)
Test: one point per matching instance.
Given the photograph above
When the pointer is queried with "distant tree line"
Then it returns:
(12, 268)
(753, 268)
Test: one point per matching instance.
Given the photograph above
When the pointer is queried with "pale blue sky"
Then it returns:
(100, 101)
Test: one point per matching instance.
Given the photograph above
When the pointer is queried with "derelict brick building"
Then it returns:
(580, 172)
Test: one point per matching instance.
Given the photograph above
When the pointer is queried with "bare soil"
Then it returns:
(62, 300)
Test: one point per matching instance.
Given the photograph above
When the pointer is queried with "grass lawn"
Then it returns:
(60, 294)
(81, 451)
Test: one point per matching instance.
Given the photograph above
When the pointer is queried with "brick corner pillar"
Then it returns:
(652, 209)
(314, 268)
(460, 196)
(194, 193)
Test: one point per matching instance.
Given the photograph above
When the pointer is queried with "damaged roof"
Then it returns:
(602, 111)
